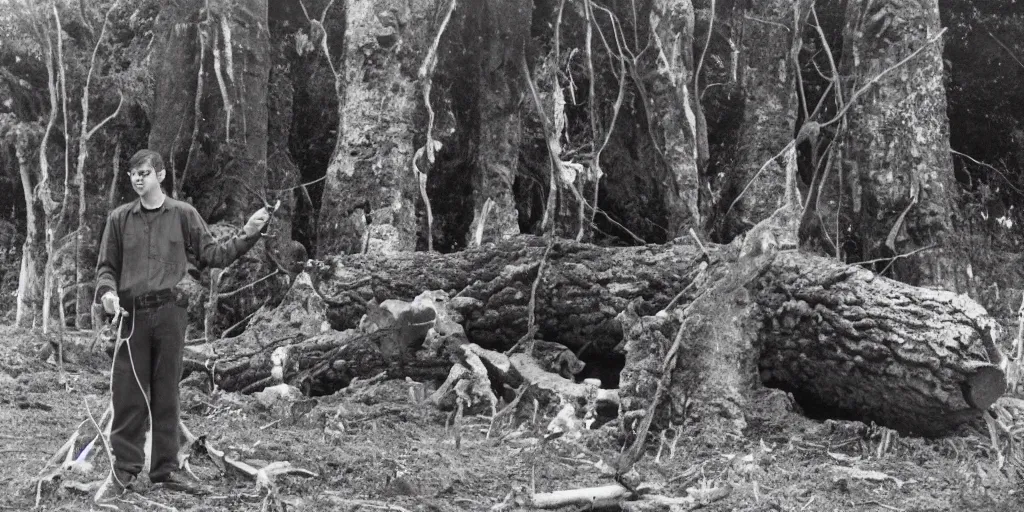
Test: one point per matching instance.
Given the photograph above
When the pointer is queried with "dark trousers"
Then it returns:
(156, 345)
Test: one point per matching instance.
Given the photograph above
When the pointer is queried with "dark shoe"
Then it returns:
(118, 483)
(180, 481)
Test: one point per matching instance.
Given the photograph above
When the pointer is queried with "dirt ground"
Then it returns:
(374, 448)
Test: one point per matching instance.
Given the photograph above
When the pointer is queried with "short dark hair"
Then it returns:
(144, 156)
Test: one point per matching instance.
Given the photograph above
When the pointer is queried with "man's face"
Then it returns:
(145, 179)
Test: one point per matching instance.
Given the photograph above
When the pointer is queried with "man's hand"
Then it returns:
(256, 222)
(111, 303)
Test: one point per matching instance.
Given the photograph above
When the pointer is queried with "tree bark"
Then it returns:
(766, 35)
(897, 163)
(858, 345)
(369, 200)
(583, 288)
(505, 27)
(319, 365)
(210, 111)
(214, 145)
(673, 110)
(809, 323)
(32, 252)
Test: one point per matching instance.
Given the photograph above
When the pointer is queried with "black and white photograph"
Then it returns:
(512, 255)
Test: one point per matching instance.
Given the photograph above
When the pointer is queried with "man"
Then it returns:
(142, 258)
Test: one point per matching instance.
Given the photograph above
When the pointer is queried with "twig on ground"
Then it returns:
(152, 503)
(879, 504)
(508, 409)
(693, 234)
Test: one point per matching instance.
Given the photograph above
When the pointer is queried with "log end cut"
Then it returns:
(984, 386)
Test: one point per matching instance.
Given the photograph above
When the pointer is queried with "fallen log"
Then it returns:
(583, 288)
(319, 365)
(849, 344)
(843, 340)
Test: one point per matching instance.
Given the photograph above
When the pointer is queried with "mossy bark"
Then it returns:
(211, 66)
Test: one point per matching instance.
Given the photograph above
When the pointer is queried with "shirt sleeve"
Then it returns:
(208, 250)
(108, 267)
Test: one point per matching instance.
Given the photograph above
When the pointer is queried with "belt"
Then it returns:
(153, 299)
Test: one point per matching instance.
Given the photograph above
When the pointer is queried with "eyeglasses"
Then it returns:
(140, 174)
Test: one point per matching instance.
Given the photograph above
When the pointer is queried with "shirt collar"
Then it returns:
(137, 205)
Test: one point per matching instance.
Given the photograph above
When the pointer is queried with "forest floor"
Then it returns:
(373, 448)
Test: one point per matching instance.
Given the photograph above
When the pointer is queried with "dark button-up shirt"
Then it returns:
(147, 251)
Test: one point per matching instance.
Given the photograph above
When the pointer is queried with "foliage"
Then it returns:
(984, 65)
(99, 47)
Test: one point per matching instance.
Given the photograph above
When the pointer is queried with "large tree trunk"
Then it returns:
(210, 105)
(505, 27)
(369, 201)
(844, 340)
(896, 161)
(210, 109)
(766, 35)
(673, 111)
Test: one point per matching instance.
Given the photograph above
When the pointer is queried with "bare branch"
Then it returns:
(108, 118)
(1007, 48)
(700, 63)
(756, 174)
(531, 323)
(548, 219)
(997, 171)
(225, 295)
(831, 61)
(64, 106)
(229, 106)
(426, 73)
